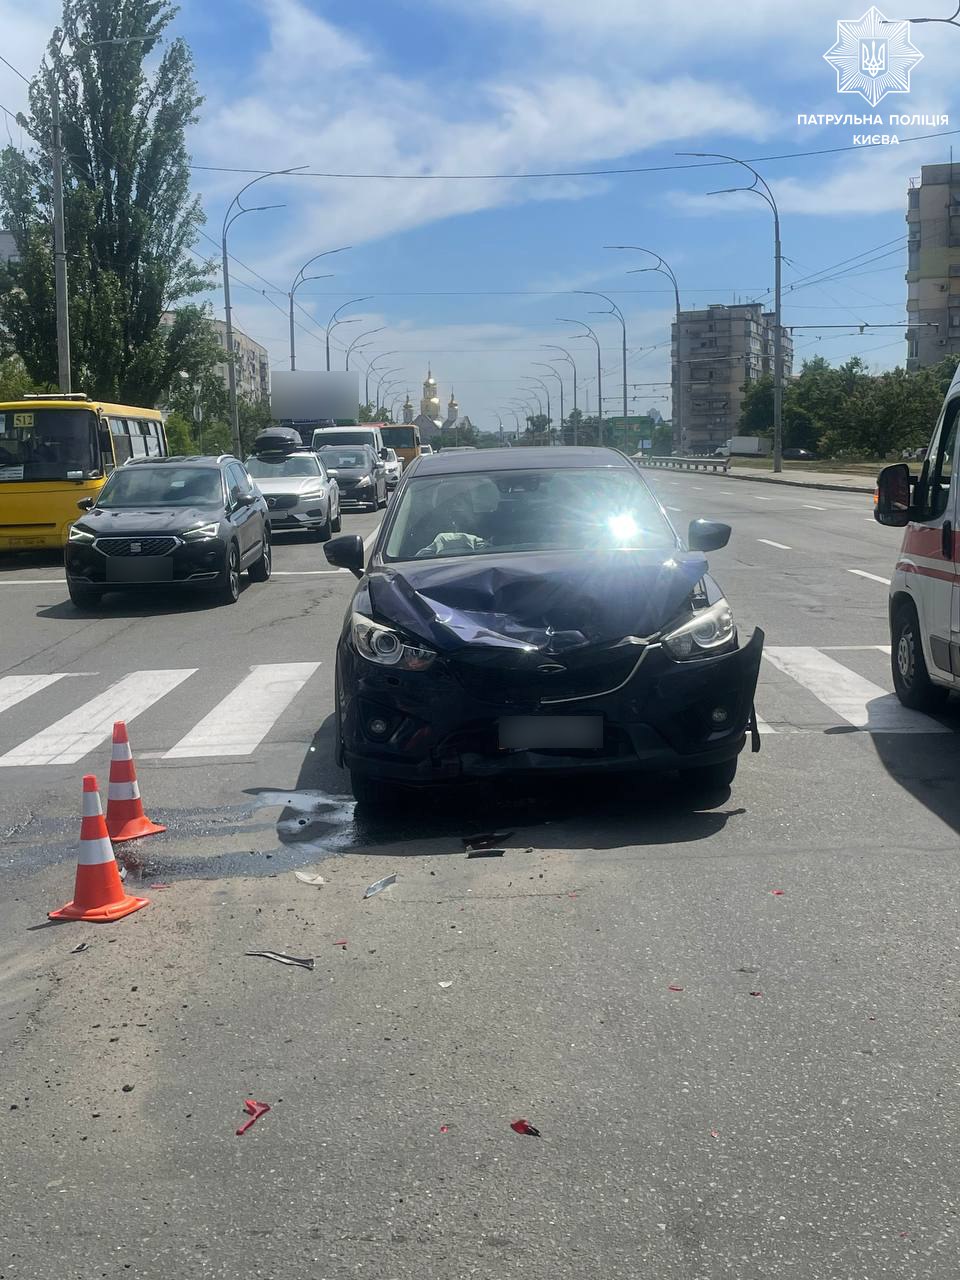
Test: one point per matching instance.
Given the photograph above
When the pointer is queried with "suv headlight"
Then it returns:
(201, 532)
(708, 631)
(77, 534)
(385, 646)
(362, 484)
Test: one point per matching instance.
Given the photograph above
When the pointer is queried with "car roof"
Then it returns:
(526, 458)
(200, 461)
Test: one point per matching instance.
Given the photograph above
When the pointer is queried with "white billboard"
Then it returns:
(311, 396)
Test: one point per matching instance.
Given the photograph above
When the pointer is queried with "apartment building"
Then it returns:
(251, 360)
(715, 352)
(933, 265)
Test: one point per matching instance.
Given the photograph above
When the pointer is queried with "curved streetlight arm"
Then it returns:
(297, 280)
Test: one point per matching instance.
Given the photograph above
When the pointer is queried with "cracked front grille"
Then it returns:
(485, 676)
(136, 546)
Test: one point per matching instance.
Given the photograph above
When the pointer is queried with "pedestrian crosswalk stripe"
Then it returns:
(238, 724)
(70, 739)
(858, 701)
(14, 689)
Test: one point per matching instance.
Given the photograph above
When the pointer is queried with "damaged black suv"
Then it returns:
(534, 611)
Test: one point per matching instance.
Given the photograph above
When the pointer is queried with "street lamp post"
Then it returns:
(334, 321)
(759, 187)
(355, 344)
(301, 278)
(665, 269)
(541, 365)
(614, 311)
(546, 391)
(383, 377)
(228, 222)
(596, 341)
(372, 369)
(573, 365)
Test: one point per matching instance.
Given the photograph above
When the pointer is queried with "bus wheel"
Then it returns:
(82, 596)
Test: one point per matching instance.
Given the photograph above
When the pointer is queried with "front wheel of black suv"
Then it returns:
(82, 596)
(711, 777)
(911, 679)
(228, 587)
(261, 570)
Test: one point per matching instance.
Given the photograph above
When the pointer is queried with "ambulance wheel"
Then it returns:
(911, 679)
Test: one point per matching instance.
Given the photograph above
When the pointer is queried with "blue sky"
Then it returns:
(454, 86)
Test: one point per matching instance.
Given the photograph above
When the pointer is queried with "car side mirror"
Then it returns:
(708, 535)
(86, 503)
(247, 500)
(383, 454)
(893, 506)
(346, 553)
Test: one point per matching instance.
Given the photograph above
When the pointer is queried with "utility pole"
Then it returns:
(60, 249)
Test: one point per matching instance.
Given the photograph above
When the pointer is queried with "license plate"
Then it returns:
(27, 542)
(540, 733)
(139, 569)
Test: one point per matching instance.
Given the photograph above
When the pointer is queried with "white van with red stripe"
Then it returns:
(925, 590)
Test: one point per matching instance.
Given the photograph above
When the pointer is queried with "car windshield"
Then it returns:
(391, 455)
(399, 437)
(163, 486)
(47, 444)
(324, 437)
(339, 458)
(567, 509)
(266, 467)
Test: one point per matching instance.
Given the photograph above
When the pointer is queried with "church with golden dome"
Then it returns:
(430, 420)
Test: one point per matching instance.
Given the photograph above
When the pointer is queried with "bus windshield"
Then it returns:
(399, 437)
(48, 444)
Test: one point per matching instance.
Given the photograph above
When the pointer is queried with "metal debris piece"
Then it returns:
(755, 993)
(123, 871)
(81, 946)
(525, 1128)
(305, 878)
(159, 885)
(674, 988)
(379, 885)
(279, 956)
(445, 985)
(253, 1108)
(486, 840)
(341, 942)
(484, 852)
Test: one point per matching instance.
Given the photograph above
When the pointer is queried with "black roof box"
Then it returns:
(277, 440)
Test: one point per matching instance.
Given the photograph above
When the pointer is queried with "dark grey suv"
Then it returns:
(170, 521)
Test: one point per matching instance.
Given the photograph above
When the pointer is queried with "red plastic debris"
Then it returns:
(756, 993)
(159, 886)
(525, 1128)
(341, 942)
(778, 893)
(444, 1128)
(674, 988)
(254, 1110)
(714, 1133)
(904, 1235)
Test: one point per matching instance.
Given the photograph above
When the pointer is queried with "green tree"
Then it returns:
(662, 440)
(129, 216)
(14, 379)
(756, 413)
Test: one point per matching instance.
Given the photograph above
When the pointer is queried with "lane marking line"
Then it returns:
(674, 508)
(76, 734)
(239, 722)
(33, 582)
(810, 507)
(14, 689)
(779, 545)
(858, 701)
(371, 537)
(874, 577)
(759, 498)
(305, 573)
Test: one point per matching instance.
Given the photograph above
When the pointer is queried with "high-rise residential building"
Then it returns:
(8, 248)
(716, 352)
(933, 265)
(251, 360)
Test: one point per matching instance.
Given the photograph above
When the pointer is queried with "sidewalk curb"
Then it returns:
(802, 484)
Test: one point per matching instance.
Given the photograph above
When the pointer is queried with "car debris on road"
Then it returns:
(304, 963)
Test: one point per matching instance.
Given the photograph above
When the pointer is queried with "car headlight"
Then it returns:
(202, 532)
(313, 493)
(386, 647)
(77, 534)
(362, 484)
(707, 632)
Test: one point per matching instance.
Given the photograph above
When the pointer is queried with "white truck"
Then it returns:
(745, 447)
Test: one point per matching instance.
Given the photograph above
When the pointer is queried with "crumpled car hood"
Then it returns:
(552, 602)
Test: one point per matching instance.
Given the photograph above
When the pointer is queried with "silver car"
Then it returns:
(300, 494)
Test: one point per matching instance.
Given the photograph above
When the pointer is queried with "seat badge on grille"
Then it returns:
(134, 548)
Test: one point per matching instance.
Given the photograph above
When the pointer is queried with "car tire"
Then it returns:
(372, 792)
(325, 532)
(337, 525)
(228, 585)
(82, 596)
(382, 505)
(261, 570)
(911, 679)
(711, 777)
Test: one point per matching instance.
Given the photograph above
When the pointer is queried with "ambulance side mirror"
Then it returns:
(893, 506)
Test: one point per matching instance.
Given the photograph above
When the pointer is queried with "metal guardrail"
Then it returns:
(684, 464)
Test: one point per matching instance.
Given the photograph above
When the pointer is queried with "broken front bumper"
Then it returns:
(423, 727)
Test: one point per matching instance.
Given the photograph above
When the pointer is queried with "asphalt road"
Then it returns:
(735, 1026)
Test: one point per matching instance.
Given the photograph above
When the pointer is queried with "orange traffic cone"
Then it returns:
(98, 893)
(125, 817)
